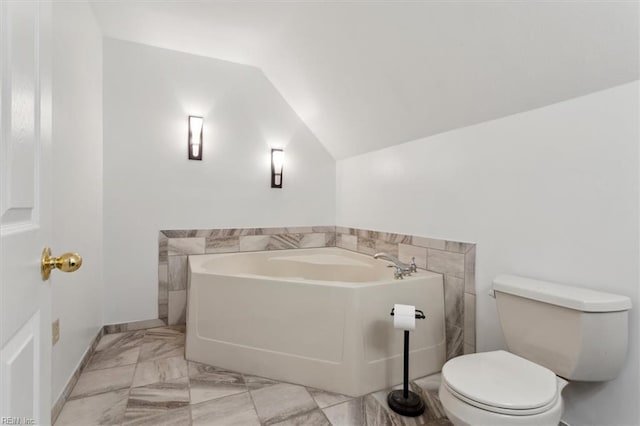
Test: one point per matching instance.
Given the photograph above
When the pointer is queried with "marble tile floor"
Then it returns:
(142, 378)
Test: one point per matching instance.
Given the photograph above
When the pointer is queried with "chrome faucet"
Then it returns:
(402, 269)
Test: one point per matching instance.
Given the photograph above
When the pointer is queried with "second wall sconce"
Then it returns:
(277, 161)
(195, 138)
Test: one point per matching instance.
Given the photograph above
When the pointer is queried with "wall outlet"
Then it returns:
(55, 331)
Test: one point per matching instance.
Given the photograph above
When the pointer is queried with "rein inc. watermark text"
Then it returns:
(17, 421)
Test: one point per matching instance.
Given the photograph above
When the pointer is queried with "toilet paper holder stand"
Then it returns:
(419, 313)
(406, 402)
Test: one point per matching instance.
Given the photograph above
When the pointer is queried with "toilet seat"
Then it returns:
(501, 382)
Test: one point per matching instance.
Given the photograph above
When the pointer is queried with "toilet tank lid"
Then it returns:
(577, 298)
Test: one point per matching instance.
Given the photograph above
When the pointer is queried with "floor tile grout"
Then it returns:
(160, 408)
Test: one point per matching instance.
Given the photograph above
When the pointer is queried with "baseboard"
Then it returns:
(132, 326)
(64, 395)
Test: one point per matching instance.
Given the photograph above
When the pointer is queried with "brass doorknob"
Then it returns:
(68, 262)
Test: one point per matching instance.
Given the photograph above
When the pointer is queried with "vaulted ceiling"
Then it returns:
(364, 75)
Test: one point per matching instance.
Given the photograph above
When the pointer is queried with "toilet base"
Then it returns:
(413, 406)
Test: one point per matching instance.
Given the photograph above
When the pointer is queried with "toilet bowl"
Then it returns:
(499, 388)
(554, 332)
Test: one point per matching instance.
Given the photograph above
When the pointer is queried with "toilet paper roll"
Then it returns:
(404, 317)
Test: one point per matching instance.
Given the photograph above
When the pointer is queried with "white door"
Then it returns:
(25, 211)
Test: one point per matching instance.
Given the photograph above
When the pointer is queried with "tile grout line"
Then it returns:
(255, 408)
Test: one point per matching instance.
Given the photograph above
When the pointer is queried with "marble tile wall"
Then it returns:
(455, 260)
(174, 247)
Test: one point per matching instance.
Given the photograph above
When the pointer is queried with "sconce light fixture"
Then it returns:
(195, 138)
(277, 160)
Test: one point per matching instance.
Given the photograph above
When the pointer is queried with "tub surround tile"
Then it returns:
(433, 243)
(284, 241)
(177, 273)
(470, 271)
(386, 247)
(163, 311)
(444, 262)
(394, 238)
(347, 242)
(313, 240)
(457, 246)
(454, 300)
(279, 402)
(181, 246)
(103, 409)
(163, 248)
(453, 259)
(207, 382)
(367, 234)
(310, 418)
(469, 319)
(366, 246)
(101, 381)
(454, 339)
(345, 230)
(254, 242)
(406, 252)
(325, 398)
(179, 233)
(326, 229)
(469, 349)
(222, 244)
(234, 410)
(177, 307)
(158, 371)
(163, 282)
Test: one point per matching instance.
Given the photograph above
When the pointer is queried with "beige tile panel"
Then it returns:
(445, 262)
(346, 241)
(181, 246)
(470, 270)
(406, 252)
(470, 319)
(222, 244)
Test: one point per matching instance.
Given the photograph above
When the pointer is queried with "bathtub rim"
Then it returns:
(196, 266)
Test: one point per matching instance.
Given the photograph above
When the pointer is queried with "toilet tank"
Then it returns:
(577, 333)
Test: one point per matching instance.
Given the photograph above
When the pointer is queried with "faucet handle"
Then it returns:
(398, 274)
(412, 266)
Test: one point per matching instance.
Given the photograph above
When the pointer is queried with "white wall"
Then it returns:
(551, 193)
(150, 185)
(77, 182)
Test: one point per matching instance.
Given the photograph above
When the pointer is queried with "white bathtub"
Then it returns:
(316, 317)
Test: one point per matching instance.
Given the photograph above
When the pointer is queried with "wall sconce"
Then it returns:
(195, 138)
(277, 160)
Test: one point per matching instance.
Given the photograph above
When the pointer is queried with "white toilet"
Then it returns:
(555, 334)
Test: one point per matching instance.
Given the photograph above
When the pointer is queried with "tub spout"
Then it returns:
(402, 269)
